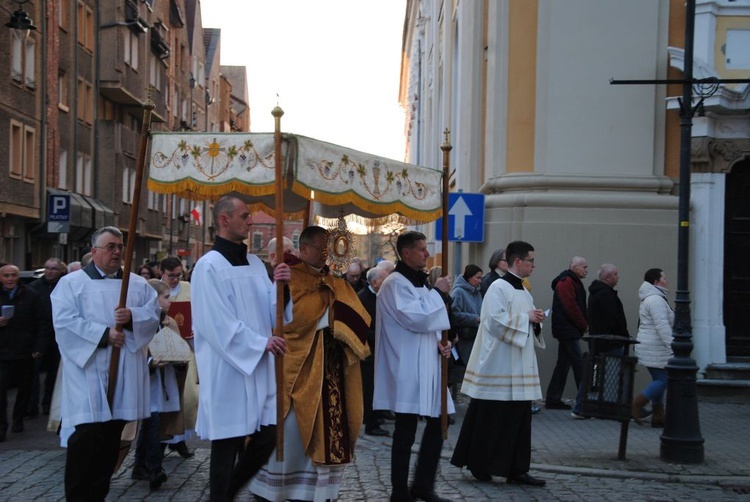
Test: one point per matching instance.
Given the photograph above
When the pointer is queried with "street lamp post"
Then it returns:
(681, 440)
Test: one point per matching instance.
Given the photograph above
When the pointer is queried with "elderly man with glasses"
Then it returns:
(88, 323)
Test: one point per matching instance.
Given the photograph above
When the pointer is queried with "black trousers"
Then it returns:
(46, 364)
(369, 418)
(91, 459)
(15, 372)
(427, 460)
(568, 356)
(233, 464)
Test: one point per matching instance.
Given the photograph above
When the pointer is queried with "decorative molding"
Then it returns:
(715, 155)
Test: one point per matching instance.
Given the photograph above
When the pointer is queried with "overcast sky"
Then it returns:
(335, 65)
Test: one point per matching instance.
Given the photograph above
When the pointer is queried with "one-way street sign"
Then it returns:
(465, 218)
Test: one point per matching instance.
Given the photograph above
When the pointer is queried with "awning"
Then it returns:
(203, 166)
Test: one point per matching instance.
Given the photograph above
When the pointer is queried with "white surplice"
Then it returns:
(503, 365)
(82, 309)
(234, 312)
(408, 327)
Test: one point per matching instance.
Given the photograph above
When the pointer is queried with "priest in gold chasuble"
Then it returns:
(323, 396)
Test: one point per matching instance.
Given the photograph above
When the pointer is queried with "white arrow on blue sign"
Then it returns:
(465, 218)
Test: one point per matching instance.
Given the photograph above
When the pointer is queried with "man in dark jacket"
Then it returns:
(23, 324)
(605, 310)
(568, 326)
(368, 296)
(54, 268)
(606, 317)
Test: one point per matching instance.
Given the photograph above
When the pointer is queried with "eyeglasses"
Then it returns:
(174, 276)
(111, 247)
(530, 260)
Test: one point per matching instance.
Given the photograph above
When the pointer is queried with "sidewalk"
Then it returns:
(578, 458)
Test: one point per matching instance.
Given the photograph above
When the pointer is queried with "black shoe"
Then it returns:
(17, 426)
(377, 431)
(156, 479)
(401, 497)
(525, 479)
(558, 406)
(427, 495)
(481, 476)
(140, 472)
(535, 409)
(182, 449)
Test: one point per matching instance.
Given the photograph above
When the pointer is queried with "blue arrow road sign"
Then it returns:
(465, 218)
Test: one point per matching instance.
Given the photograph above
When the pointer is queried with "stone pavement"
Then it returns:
(578, 458)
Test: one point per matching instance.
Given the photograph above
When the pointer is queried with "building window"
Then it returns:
(152, 199)
(30, 63)
(29, 164)
(130, 43)
(62, 92)
(84, 175)
(85, 26)
(16, 149)
(201, 74)
(22, 152)
(257, 241)
(62, 180)
(85, 101)
(16, 65)
(155, 72)
(128, 185)
(62, 14)
(23, 59)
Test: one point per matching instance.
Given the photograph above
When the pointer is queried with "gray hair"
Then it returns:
(105, 230)
(495, 259)
(605, 270)
(376, 273)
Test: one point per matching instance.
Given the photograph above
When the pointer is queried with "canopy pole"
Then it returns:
(277, 113)
(446, 147)
(114, 363)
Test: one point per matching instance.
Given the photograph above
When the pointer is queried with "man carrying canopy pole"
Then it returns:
(277, 113)
(89, 325)
(446, 147)
(234, 303)
(90, 332)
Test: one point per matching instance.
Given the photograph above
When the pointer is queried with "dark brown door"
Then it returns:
(737, 260)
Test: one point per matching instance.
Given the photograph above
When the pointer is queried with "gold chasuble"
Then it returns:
(321, 366)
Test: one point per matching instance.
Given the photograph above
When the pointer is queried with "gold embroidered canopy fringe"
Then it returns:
(203, 166)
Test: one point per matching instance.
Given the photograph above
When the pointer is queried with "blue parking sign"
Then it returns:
(58, 213)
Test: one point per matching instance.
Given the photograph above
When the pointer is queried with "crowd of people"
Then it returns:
(358, 348)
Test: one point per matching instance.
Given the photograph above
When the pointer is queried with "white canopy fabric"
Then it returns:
(202, 166)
